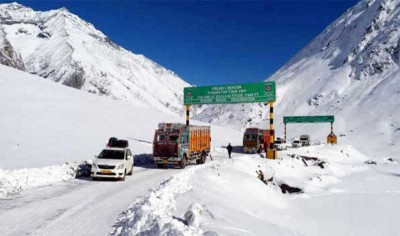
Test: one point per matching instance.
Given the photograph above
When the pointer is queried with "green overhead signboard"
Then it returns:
(308, 119)
(235, 93)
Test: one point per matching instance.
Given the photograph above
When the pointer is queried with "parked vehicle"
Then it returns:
(115, 161)
(178, 144)
(280, 144)
(296, 143)
(255, 140)
(305, 140)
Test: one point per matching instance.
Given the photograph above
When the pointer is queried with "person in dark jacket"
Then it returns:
(229, 148)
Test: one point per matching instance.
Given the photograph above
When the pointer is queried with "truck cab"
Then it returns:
(255, 140)
(113, 162)
(305, 140)
(166, 144)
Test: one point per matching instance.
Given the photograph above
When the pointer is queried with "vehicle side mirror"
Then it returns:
(128, 157)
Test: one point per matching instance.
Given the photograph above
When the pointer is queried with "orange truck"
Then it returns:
(256, 140)
(178, 144)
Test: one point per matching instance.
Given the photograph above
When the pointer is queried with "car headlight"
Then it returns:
(121, 166)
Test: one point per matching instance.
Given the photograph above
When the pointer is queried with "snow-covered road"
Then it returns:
(78, 207)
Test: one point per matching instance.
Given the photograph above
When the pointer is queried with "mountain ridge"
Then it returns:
(349, 70)
(60, 46)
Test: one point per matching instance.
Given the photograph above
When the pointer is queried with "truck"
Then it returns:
(178, 144)
(256, 140)
(305, 140)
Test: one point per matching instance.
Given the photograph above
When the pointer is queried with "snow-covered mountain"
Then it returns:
(350, 70)
(59, 46)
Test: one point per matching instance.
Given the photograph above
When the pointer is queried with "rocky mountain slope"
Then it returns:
(350, 70)
(59, 46)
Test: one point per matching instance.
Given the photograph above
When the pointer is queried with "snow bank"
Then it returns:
(15, 181)
(234, 201)
(296, 168)
(152, 215)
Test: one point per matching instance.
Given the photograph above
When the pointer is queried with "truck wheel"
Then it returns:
(203, 158)
(94, 178)
(183, 162)
(160, 165)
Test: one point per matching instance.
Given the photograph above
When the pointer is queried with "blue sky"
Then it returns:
(205, 42)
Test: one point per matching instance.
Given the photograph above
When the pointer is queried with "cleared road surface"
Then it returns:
(78, 207)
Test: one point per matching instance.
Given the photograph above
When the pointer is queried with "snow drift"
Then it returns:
(225, 197)
(14, 181)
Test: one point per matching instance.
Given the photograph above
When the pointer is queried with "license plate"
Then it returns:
(105, 171)
(165, 161)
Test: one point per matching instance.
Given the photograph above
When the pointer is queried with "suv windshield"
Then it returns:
(112, 154)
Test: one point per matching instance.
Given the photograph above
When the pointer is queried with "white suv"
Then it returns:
(113, 163)
(280, 144)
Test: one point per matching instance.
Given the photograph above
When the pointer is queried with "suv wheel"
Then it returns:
(123, 178)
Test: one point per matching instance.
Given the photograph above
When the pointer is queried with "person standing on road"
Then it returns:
(229, 148)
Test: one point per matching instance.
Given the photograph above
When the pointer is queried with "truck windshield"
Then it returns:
(250, 137)
(173, 138)
(161, 138)
(112, 154)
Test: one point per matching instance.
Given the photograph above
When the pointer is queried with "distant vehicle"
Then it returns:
(296, 143)
(255, 140)
(177, 144)
(115, 161)
(280, 144)
(305, 140)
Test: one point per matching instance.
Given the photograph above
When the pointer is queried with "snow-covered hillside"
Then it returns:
(351, 70)
(59, 46)
(43, 123)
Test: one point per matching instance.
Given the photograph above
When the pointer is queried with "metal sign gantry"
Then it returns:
(232, 94)
(332, 139)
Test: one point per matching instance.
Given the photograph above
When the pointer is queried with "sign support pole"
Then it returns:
(285, 131)
(271, 131)
(187, 114)
(331, 127)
